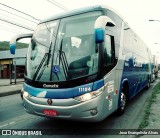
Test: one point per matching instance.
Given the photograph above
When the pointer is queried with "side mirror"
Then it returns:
(12, 49)
(15, 39)
(99, 35)
(100, 24)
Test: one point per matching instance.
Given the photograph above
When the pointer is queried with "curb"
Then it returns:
(11, 84)
(9, 93)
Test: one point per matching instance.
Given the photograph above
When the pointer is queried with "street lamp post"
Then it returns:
(151, 20)
(154, 20)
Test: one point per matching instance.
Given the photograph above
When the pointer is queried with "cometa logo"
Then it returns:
(50, 86)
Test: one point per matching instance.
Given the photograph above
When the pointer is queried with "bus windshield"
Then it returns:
(63, 49)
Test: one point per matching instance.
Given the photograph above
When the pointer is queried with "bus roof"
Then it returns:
(79, 11)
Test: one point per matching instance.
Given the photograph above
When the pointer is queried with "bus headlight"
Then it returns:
(88, 96)
(25, 94)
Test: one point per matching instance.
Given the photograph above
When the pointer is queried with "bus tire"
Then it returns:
(123, 101)
(148, 84)
(21, 94)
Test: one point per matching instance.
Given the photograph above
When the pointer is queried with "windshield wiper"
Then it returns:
(63, 60)
(42, 62)
(39, 67)
(49, 54)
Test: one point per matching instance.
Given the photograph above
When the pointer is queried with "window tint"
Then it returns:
(132, 43)
(108, 51)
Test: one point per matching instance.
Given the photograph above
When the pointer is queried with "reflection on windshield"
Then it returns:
(40, 49)
(45, 61)
(76, 57)
(69, 52)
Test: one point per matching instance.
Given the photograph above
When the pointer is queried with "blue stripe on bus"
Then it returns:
(63, 93)
(98, 84)
(135, 74)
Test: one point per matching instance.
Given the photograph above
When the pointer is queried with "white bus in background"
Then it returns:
(151, 66)
(155, 63)
(83, 65)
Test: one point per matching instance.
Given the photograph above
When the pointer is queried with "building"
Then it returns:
(9, 63)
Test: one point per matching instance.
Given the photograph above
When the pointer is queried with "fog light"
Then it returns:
(94, 112)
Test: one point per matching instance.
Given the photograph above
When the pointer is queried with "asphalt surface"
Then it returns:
(13, 116)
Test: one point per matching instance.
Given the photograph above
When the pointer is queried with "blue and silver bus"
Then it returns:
(83, 65)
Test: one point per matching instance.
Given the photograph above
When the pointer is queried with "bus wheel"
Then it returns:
(148, 85)
(123, 102)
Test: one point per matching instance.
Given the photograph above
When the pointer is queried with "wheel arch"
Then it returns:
(125, 89)
(124, 85)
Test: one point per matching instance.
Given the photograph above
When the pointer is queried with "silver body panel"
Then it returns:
(81, 111)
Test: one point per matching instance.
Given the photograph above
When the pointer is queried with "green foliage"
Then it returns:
(4, 45)
(147, 110)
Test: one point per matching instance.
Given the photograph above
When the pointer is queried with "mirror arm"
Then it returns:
(100, 24)
(15, 39)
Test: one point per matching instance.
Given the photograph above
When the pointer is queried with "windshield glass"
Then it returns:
(65, 53)
(39, 51)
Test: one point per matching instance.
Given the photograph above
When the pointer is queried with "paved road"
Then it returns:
(13, 116)
(7, 89)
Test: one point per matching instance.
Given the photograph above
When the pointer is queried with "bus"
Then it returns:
(83, 65)
(151, 66)
(155, 62)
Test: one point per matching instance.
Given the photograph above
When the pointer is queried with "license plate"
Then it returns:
(50, 112)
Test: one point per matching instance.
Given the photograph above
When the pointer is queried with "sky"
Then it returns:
(136, 13)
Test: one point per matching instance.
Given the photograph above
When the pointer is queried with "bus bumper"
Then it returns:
(91, 110)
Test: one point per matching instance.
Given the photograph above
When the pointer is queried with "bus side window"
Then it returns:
(109, 52)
